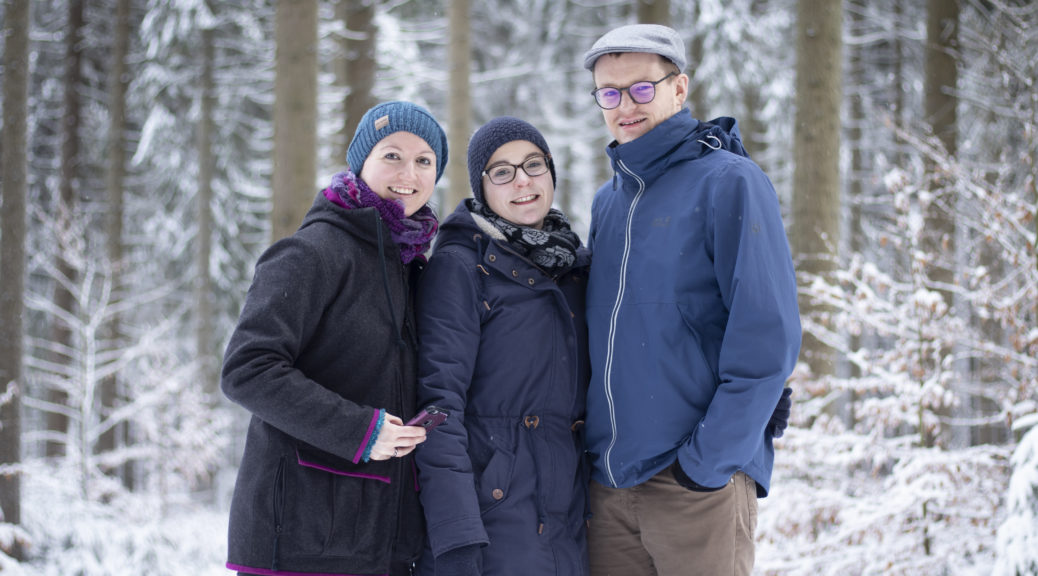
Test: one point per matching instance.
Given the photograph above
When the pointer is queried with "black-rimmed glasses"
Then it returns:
(503, 172)
(640, 93)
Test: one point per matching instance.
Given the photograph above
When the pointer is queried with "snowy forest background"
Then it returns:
(153, 148)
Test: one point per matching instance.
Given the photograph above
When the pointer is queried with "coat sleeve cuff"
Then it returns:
(455, 533)
(377, 421)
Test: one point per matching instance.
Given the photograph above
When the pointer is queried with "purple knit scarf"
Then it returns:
(413, 234)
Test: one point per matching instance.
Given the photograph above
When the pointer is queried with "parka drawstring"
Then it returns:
(707, 144)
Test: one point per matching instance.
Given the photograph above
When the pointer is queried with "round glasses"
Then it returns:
(503, 172)
(640, 93)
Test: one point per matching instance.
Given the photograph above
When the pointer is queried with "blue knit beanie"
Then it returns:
(389, 117)
(493, 135)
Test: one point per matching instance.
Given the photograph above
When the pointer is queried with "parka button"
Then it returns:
(498, 493)
(530, 281)
(515, 273)
(492, 258)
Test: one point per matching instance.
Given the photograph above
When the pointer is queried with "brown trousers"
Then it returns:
(660, 528)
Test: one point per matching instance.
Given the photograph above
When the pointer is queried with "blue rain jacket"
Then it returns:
(692, 309)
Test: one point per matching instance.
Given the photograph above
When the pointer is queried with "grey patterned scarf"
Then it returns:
(553, 248)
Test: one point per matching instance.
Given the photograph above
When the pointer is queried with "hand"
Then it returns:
(395, 439)
(780, 417)
(463, 561)
(689, 484)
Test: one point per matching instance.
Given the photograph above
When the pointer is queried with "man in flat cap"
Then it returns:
(693, 324)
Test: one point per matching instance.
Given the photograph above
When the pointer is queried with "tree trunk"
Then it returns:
(939, 83)
(654, 12)
(856, 241)
(117, 80)
(696, 89)
(14, 168)
(64, 212)
(816, 176)
(295, 115)
(460, 104)
(751, 125)
(898, 72)
(359, 65)
(941, 75)
(205, 347)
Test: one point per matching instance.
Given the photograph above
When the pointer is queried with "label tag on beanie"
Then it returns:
(381, 123)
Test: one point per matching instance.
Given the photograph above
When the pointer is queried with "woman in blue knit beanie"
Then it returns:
(500, 316)
(324, 356)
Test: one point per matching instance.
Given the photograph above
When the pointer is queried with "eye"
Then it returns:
(425, 161)
(609, 93)
(534, 164)
(642, 88)
(500, 171)
(391, 156)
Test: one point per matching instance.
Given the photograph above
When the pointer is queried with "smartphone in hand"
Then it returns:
(429, 418)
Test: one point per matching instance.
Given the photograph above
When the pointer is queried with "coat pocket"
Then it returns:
(335, 509)
(494, 483)
(325, 462)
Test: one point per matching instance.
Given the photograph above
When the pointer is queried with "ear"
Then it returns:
(681, 89)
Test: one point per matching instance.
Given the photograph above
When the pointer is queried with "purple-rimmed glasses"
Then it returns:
(640, 93)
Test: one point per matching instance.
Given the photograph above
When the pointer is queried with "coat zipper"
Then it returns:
(279, 508)
(608, 372)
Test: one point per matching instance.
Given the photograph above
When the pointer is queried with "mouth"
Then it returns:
(628, 123)
(526, 199)
(402, 191)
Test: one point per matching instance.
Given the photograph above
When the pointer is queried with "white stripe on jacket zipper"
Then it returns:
(608, 372)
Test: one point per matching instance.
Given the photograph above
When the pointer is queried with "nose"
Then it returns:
(626, 101)
(409, 169)
(522, 179)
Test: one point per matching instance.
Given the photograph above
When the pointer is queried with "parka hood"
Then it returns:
(359, 222)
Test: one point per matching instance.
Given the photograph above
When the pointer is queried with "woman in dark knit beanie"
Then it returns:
(503, 347)
(324, 357)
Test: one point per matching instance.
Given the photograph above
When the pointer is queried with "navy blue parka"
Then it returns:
(503, 346)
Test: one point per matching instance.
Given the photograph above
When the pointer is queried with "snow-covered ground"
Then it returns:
(840, 505)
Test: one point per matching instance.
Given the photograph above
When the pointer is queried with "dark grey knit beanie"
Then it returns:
(389, 117)
(492, 136)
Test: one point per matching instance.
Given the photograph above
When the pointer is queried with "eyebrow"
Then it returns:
(525, 158)
(382, 144)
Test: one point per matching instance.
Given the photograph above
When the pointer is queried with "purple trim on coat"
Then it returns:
(262, 572)
(315, 466)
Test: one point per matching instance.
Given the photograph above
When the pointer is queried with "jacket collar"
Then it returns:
(680, 138)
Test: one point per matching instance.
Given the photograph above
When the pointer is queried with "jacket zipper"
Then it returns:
(608, 372)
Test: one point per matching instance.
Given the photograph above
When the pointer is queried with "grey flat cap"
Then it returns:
(650, 38)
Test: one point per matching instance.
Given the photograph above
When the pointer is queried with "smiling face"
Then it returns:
(401, 167)
(630, 120)
(526, 199)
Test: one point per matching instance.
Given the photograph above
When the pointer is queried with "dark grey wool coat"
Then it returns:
(325, 339)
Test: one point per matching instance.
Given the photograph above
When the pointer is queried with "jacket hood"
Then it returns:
(359, 222)
(678, 139)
